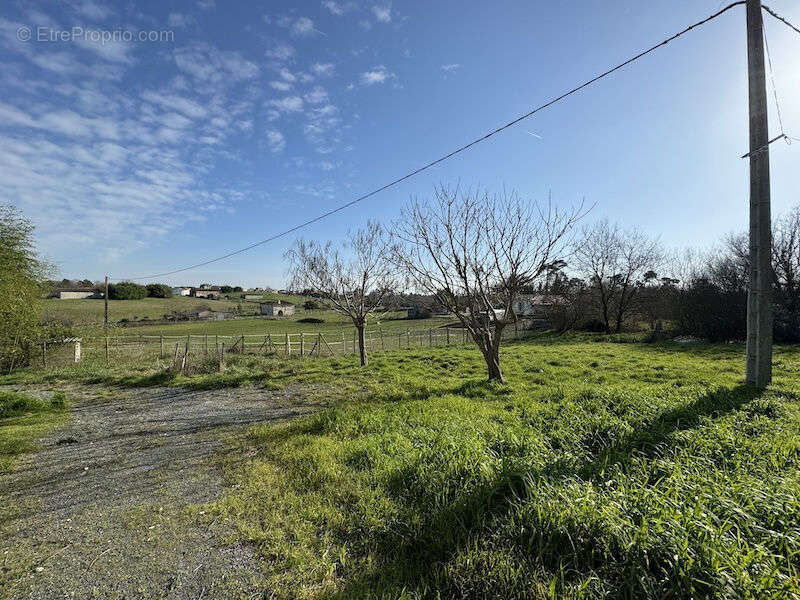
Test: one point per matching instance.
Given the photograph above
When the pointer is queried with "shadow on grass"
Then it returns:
(570, 548)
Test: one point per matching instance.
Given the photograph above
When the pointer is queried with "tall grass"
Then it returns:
(602, 470)
(23, 419)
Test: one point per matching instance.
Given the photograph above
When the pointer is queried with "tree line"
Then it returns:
(475, 254)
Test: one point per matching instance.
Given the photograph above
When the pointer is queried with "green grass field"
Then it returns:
(87, 317)
(601, 470)
(24, 419)
(89, 311)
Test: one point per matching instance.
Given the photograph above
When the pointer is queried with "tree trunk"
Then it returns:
(362, 350)
(491, 354)
(492, 357)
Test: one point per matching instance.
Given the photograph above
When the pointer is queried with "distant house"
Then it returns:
(535, 305)
(181, 291)
(207, 291)
(77, 293)
(277, 308)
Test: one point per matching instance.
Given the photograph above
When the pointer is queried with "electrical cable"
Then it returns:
(446, 156)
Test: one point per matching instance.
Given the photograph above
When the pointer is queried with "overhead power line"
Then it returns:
(780, 18)
(450, 154)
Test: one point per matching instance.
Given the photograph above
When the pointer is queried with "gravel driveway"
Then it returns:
(103, 506)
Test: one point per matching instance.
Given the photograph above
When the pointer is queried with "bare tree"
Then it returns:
(352, 280)
(474, 253)
(615, 262)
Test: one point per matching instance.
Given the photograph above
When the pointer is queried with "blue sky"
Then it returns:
(139, 157)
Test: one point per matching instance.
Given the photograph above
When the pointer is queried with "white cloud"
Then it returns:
(383, 14)
(113, 51)
(281, 52)
(281, 86)
(451, 67)
(206, 4)
(335, 8)
(212, 65)
(322, 69)
(93, 10)
(327, 165)
(188, 107)
(378, 74)
(288, 104)
(316, 96)
(179, 20)
(287, 75)
(276, 141)
(303, 26)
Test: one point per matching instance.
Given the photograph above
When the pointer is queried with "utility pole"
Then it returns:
(105, 298)
(759, 296)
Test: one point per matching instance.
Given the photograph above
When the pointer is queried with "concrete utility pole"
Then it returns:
(759, 297)
(105, 298)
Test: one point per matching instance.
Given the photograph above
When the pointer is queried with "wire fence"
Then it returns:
(183, 350)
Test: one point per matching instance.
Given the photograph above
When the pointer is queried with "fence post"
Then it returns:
(319, 344)
(447, 329)
(185, 355)
(302, 343)
(161, 341)
(288, 345)
(77, 351)
(222, 358)
(44, 355)
(408, 337)
(106, 350)
(244, 350)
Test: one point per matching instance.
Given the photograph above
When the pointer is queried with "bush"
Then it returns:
(225, 289)
(593, 326)
(707, 311)
(159, 290)
(126, 290)
(237, 288)
(311, 320)
(21, 274)
(311, 305)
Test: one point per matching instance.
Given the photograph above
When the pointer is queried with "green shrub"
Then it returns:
(13, 404)
(126, 290)
(159, 290)
(21, 274)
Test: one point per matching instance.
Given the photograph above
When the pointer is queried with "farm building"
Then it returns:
(77, 293)
(181, 291)
(207, 291)
(277, 309)
(534, 305)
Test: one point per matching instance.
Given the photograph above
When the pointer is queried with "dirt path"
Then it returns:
(103, 503)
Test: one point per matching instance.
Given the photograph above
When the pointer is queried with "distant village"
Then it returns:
(532, 307)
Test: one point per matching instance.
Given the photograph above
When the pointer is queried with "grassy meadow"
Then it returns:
(599, 470)
(23, 420)
(86, 315)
